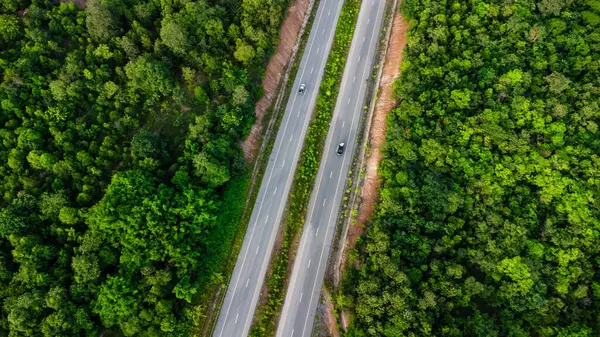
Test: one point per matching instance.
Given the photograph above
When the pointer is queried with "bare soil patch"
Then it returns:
(385, 103)
(288, 37)
(329, 320)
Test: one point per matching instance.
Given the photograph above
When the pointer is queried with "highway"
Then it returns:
(297, 317)
(237, 310)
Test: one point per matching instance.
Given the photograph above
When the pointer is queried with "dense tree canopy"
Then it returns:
(489, 221)
(118, 132)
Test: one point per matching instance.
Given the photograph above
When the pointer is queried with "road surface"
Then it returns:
(248, 275)
(302, 297)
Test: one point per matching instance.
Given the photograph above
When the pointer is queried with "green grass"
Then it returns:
(223, 242)
(227, 224)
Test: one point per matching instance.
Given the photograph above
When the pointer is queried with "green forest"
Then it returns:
(489, 216)
(119, 126)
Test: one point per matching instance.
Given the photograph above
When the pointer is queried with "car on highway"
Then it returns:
(302, 89)
(340, 148)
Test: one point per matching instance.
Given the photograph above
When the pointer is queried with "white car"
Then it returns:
(302, 88)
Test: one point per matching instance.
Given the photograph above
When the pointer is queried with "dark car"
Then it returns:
(340, 149)
(301, 90)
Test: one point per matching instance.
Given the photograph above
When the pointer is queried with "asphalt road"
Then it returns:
(243, 290)
(302, 297)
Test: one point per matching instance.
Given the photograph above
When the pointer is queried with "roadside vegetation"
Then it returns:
(488, 222)
(266, 318)
(122, 182)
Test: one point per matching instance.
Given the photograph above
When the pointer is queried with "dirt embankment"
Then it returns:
(385, 103)
(288, 37)
(329, 326)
